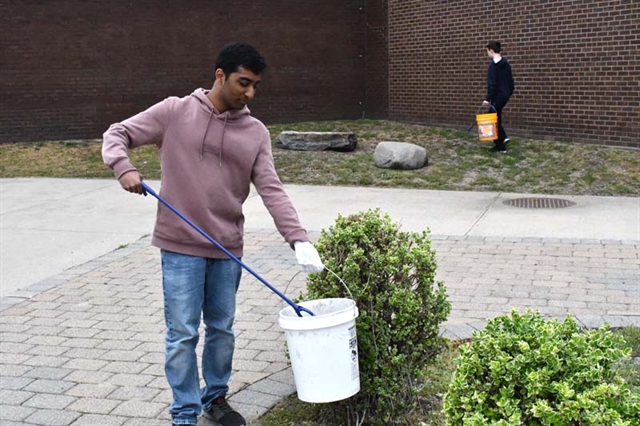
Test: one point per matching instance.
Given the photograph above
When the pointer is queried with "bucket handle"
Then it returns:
(333, 273)
(147, 190)
(490, 106)
(340, 279)
(481, 106)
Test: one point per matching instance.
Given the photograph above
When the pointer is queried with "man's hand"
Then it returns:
(308, 257)
(485, 103)
(131, 181)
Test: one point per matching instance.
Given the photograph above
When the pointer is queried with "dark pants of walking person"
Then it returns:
(502, 135)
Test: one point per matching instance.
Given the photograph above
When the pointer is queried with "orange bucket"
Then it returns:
(487, 126)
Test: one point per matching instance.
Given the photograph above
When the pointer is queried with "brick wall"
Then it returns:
(576, 65)
(69, 68)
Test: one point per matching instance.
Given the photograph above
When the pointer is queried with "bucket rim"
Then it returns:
(289, 320)
(308, 304)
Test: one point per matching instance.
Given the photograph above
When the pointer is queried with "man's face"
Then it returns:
(491, 53)
(238, 88)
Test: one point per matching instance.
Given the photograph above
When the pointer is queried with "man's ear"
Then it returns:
(220, 75)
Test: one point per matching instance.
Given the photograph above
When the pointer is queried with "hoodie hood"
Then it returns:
(502, 62)
(230, 115)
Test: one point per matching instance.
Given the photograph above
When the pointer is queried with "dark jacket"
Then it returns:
(500, 83)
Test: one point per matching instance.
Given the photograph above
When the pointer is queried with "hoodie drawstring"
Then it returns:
(205, 102)
(224, 127)
(204, 138)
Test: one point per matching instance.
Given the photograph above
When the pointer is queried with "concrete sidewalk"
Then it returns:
(81, 327)
(50, 225)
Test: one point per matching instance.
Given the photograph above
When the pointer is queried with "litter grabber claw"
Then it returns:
(299, 309)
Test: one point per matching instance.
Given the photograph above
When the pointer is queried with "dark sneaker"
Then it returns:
(222, 413)
(501, 150)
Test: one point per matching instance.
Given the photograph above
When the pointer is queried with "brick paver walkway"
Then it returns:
(86, 347)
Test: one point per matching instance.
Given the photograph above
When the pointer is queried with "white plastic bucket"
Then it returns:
(323, 349)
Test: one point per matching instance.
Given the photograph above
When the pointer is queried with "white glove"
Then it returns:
(308, 257)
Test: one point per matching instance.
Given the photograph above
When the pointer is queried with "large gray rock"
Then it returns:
(317, 141)
(400, 155)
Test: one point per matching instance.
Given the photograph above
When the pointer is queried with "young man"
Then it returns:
(500, 86)
(211, 149)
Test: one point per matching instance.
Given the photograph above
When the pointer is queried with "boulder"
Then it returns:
(400, 155)
(317, 141)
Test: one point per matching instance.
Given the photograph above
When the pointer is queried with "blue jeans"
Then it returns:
(193, 286)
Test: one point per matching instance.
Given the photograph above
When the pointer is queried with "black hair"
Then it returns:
(235, 55)
(494, 45)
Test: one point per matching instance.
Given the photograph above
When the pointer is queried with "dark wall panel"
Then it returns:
(376, 78)
(69, 68)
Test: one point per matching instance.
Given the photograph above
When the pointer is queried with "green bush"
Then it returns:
(525, 370)
(391, 277)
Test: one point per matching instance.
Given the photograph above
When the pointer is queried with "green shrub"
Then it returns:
(391, 277)
(525, 370)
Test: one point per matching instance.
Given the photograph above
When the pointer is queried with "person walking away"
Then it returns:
(500, 87)
(211, 149)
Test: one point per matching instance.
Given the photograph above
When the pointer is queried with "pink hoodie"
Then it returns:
(208, 160)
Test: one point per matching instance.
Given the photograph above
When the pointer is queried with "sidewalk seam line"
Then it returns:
(484, 213)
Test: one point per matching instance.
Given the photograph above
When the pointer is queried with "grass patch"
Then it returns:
(293, 412)
(457, 161)
(78, 159)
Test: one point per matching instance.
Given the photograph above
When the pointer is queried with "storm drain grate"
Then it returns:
(539, 203)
